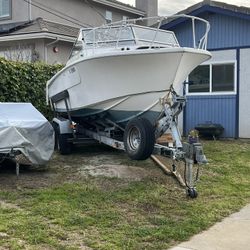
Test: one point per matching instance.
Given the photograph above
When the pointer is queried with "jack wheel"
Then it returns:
(192, 193)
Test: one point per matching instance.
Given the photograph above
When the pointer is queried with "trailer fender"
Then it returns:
(63, 125)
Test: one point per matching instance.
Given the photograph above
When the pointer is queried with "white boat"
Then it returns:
(123, 70)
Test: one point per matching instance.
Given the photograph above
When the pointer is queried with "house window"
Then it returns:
(213, 78)
(108, 16)
(223, 77)
(21, 53)
(4, 8)
(199, 79)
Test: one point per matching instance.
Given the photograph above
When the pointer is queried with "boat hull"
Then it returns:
(124, 84)
(121, 110)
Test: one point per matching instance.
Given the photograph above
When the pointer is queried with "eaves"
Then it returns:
(40, 35)
(121, 7)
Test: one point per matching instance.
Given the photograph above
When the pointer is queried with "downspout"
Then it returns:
(46, 48)
(29, 7)
(237, 120)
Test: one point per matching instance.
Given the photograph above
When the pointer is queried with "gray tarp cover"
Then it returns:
(24, 128)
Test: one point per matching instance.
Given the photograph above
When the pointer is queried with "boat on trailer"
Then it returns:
(125, 69)
(122, 86)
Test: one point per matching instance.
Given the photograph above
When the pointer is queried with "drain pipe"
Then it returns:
(46, 48)
(29, 9)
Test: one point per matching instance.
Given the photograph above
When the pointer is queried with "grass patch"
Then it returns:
(146, 214)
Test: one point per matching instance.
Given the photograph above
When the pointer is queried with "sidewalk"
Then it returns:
(233, 233)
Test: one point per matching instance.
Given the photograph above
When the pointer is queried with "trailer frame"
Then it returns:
(69, 132)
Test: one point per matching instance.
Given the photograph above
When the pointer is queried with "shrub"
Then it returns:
(26, 82)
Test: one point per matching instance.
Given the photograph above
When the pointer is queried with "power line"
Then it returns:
(62, 13)
(54, 12)
(95, 9)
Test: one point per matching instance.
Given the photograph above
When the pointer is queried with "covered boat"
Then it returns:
(124, 70)
(25, 132)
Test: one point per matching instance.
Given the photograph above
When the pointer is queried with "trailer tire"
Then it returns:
(56, 128)
(61, 141)
(139, 139)
(64, 146)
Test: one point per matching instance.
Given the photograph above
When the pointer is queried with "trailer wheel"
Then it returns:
(139, 139)
(64, 146)
(61, 141)
(56, 128)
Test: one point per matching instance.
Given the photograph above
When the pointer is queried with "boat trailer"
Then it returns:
(104, 130)
(14, 154)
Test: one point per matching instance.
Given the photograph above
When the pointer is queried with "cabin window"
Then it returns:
(213, 78)
(5, 10)
(108, 16)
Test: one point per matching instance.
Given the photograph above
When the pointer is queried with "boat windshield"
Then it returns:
(127, 35)
(152, 36)
(109, 36)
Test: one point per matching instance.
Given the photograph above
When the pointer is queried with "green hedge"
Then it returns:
(26, 82)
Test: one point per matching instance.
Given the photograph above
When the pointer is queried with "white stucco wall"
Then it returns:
(62, 56)
(222, 56)
(41, 47)
(244, 94)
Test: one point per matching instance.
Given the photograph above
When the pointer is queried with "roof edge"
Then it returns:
(121, 6)
(210, 6)
(222, 5)
(37, 35)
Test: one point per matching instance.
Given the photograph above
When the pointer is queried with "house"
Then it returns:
(45, 30)
(219, 89)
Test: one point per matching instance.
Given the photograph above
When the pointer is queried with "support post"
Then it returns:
(17, 169)
(189, 172)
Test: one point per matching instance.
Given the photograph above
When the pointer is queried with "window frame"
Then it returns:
(10, 12)
(25, 52)
(107, 16)
(125, 18)
(234, 62)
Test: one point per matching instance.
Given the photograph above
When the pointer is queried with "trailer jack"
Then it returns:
(190, 153)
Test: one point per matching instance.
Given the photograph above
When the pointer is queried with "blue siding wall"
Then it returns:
(216, 109)
(226, 31)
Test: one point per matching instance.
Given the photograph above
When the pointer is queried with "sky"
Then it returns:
(169, 7)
